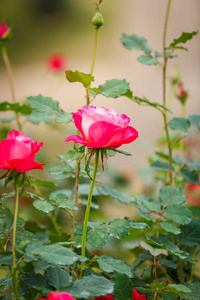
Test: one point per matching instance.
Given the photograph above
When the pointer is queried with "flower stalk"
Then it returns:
(87, 213)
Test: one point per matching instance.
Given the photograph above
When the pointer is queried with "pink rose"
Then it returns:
(57, 63)
(102, 128)
(17, 152)
(59, 296)
(107, 297)
(137, 296)
(3, 30)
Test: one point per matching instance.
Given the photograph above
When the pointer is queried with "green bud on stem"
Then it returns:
(97, 19)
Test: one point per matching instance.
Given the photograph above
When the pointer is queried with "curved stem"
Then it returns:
(93, 63)
(14, 235)
(11, 81)
(164, 90)
(87, 213)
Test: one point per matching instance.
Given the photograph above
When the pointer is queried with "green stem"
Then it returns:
(164, 90)
(75, 198)
(87, 213)
(11, 81)
(93, 63)
(14, 235)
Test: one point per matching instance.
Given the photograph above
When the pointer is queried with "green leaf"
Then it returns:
(195, 120)
(170, 196)
(178, 214)
(195, 288)
(118, 228)
(36, 281)
(190, 234)
(109, 264)
(97, 237)
(138, 225)
(16, 107)
(178, 288)
(190, 176)
(160, 166)
(37, 117)
(147, 60)
(123, 152)
(91, 285)
(146, 216)
(63, 118)
(151, 205)
(42, 104)
(153, 250)
(76, 76)
(58, 278)
(8, 120)
(168, 263)
(48, 184)
(44, 206)
(23, 235)
(169, 227)
(123, 287)
(114, 193)
(57, 255)
(185, 36)
(114, 88)
(72, 155)
(146, 101)
(135, 42)
(173, 249)
(179, 124)
(60, 200)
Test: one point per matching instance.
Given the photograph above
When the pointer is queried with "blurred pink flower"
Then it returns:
(135, 296)
(180, 92)
(58, 296)
(4, 29)
(102, 128)
(17, 152)
(57, 63)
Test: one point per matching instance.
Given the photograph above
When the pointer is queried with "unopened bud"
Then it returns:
(97, 19)
(181, 93)
(4, 31)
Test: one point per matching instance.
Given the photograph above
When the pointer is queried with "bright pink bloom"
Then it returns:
(18, 151)
(3, 30)
(59, 296)
(137, 296)
(57, 63)
(102, 128)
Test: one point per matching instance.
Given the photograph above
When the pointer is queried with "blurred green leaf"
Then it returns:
(63, 117)
(37, 117)
(97, 237)
(109, 264)
(114, 88)
(44, 183)
(76, 76)
(138, 225)
(44, 205)
(155, 251)
(35, 281)
(114, 193)
(170, 195)
(195, 288)
(57, 278)
(195, 120)
(185, 36)
(118, 228)
(16, 107)
(147, 60)
(190, 234)
(178, 288)
(23, 235)
(178, 214)
(160, 166)
(169, 227)
(179, 124)
(135, 42)
(190, 176)
(42, 104)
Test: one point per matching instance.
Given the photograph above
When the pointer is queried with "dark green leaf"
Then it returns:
(123, 287)
(44, 206)
(169, 227)
(178, 288)
(147, 60)
(138, 225)
(23, 235)
(48, 184)
(97, 237)
(151, 205)
(195, 120)
(63, 118)
(146, 101)
(190, 235)
(57, 255)
(178, 214)
(91, 286)
(42, 104)
(153, 250)
(109, 264)
(146, 216)
(195, 288)
(179, 124)
(118, 228)
(160, 166)
(114, 88)
(185, 36)
(170, 196)
(58, 278)
(76, 76)
(114, 193)
(168, 263)
(173, 249)
(60, 200)
(190, 176)
(123, 152)
(135, 42)
(36, 281)
(16, 107)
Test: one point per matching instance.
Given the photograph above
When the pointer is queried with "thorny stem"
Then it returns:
(75, 197)
(87, 213)
(164, 90)
(11, 81)
(14, 235)
(93, 63)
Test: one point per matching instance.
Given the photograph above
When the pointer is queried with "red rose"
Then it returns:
(56, 63)
(107, 297)
(137, 296)
(18, 151)
(59, 296)
(102, 128)
(3, 30)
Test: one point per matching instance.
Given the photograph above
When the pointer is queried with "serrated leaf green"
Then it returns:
(178, 288)
(135, 42)
(146, 216)
(147, 60)
(76, 76)
(118, 228)
(170, 195)
(42, 104)
(190, 234)
(123, 287)
(169, 227)
(155, 251)
(91, 285)
(23, 235)
(178, 214)
(179, 124)
(37, 117)
(114, 88)
(195, 120)
(109, 264)
(190, 176)
(97, 237)
(185, 36)
(160, 166)
(36, 281)
(174, 249)
(195, 288)
(57, 278)
(63, 118)
(44, 206)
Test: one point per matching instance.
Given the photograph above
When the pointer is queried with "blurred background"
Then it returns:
(42, 28)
